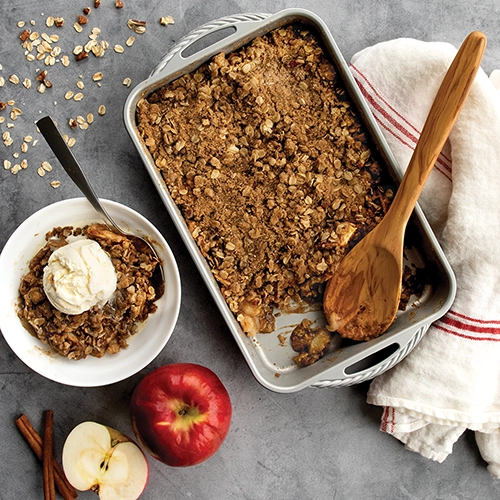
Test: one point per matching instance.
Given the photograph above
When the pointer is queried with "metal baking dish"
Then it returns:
(271, 362)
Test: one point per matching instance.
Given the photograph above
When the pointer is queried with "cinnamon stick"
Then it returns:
(49, 489)
(35, 442)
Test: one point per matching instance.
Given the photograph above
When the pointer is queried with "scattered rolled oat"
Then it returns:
(97, 76)
(14, 113)
(167, 20)
(119, 48)
(7, 164)
(127, 82)
(16, 168)
(7, 139)
(41, 88)
(68, 95)
(65, 60)
(102, 110)
(130, 41)
(24, 164)
(40, 171)
(49, 22)
(2, 81)
(71, 142)
(14, 79)
(78, 27)
(78, 97)
(55, 184)
(90, 118)
(80, 84)
(47, 166)
(139, 27)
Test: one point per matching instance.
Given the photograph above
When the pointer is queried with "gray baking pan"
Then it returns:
(269, 359)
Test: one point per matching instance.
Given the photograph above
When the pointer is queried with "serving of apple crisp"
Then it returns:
(103, 328)
(270, 167)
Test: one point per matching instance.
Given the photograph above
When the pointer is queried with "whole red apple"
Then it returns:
(181, 413)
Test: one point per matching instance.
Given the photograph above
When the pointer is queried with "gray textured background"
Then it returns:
(316, 444)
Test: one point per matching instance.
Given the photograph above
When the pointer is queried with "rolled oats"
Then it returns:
(166, 20)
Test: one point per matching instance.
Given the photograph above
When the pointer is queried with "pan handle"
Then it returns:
(345, 374)
(241, 24)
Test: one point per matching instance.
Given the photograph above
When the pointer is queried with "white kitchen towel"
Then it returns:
(451, 381)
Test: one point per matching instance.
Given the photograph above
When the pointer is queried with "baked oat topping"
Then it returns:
(101, 330)
(270, 166)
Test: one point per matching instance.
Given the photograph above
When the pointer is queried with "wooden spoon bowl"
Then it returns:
(362, 298)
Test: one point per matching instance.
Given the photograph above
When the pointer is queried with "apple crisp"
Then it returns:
(271, 168)
(100, 330)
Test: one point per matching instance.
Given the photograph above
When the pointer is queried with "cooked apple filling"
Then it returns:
(270, 167)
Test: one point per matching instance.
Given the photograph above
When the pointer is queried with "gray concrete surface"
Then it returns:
(315, 444)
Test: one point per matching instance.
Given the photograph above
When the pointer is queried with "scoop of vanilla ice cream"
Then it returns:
(78, 276)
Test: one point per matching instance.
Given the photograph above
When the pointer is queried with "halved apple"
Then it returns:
(98, 458)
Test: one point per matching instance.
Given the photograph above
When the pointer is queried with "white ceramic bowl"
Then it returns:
(143, 347)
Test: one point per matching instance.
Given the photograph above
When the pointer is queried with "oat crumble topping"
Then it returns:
(270, 167)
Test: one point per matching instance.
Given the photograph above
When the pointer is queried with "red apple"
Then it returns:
(181, 413)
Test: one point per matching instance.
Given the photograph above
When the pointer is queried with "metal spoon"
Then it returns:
(362, 298)
(59, 147)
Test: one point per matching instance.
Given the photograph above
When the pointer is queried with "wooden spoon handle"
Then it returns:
(444, 111)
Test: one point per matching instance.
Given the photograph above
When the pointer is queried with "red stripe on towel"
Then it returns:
(388, 420)
(469, 328)
(398, 126)
(475, 320)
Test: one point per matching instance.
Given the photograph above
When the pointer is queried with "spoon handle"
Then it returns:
(445, 109)
(59, 147)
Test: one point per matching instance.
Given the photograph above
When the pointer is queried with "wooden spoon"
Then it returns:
(362, 297)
